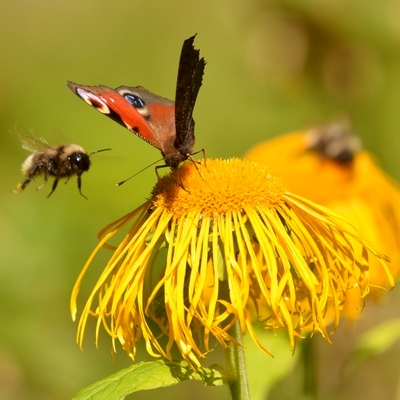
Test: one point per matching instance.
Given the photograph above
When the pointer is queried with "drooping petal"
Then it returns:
(232, 244)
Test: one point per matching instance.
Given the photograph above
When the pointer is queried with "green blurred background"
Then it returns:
(272, 67)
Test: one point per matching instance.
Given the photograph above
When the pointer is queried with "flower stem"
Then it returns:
(234, 359)
(309, 360)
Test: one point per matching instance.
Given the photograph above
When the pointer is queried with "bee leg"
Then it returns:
(69, 176)
(31, 175)
(46, 177)
(53, 188)
(79, 187)
(22, 186)
(68, 167)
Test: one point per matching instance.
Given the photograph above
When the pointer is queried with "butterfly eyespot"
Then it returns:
(165, 124)
(136, 101)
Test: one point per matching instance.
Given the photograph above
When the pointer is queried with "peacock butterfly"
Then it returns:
(166, 125)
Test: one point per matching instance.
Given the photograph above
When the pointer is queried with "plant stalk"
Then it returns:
(234, 357)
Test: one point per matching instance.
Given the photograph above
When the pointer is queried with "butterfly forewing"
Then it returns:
(150, 116)
(165, 124)
(190, 75)
(135, 108)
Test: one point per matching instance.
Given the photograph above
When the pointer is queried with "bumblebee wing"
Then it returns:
(30, 142)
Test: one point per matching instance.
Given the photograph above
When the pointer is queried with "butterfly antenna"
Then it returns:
(98, 151)
(137, 173)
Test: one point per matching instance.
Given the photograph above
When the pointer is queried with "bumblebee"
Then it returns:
(59, 162)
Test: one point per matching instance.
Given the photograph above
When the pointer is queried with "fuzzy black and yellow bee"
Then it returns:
(59, 162)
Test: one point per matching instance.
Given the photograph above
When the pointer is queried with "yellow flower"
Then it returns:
(327, 166)
(232, 243)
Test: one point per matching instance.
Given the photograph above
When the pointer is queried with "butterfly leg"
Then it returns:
(180, 183)
(197, 152)
(159, 167)
(198, 162)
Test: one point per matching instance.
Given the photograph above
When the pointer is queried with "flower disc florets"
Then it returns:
(219, 244)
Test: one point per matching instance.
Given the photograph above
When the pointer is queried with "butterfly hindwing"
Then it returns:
(167, 125)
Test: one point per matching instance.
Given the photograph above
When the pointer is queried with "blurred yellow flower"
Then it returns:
(234, 242)
(328, 166)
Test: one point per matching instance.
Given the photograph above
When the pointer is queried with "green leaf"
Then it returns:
(148, 375)
(374, 342)
(379, 339)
